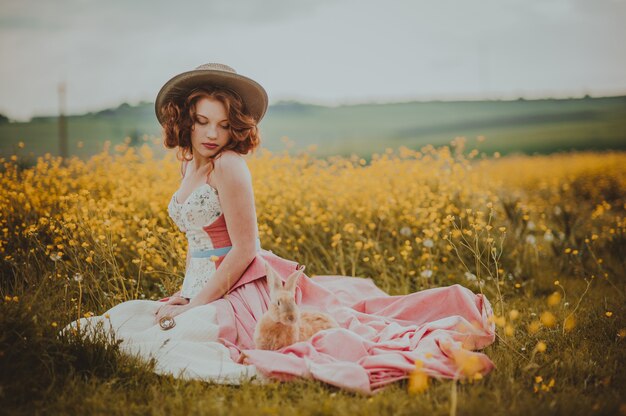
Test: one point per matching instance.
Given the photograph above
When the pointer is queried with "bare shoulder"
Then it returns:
(231, 166)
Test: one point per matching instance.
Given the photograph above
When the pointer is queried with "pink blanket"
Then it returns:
(379, 338)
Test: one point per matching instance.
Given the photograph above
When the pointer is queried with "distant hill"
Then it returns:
(527, 126)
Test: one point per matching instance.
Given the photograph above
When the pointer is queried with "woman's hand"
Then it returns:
(177, 300)
(171, 311)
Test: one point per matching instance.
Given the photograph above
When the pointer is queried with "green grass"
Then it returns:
(43, 374)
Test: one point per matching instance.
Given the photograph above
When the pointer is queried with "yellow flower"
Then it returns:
(509, 331)
(554, 299)
(418, 379)
(541, 346)
(468, 362)
(513, 314)
(534, 327)
(608, 314)
(548, 319)
(569, 323)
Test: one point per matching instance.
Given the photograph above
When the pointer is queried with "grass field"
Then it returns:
(543, 237)
(524, 126)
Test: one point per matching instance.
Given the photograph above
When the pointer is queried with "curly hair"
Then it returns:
(179, 118)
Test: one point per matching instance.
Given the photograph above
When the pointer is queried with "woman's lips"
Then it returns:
(209, 145)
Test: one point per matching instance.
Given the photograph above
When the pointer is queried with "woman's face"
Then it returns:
(210, 129)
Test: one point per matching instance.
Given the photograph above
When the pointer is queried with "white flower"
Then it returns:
(470, 276)
(548, 236)
(426, 273)
(428, 243)
(55, 257)
(530, 225)
(557, 210)
(405, 231)
(78, 277)
(530, 239)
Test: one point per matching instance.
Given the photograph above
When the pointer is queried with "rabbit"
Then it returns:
(283, 323)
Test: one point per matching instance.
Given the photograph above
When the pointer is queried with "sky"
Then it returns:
(317, 51)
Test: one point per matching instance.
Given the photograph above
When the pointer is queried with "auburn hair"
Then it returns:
(179, 117)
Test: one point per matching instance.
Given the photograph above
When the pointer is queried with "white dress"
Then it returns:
(201, 208)
(190, 349)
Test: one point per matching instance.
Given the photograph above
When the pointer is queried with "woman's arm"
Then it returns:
(234, 184)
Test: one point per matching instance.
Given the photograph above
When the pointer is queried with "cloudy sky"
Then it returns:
(320, 51)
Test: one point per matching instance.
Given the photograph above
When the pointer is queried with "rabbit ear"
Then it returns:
(290, 284)
(273, 280)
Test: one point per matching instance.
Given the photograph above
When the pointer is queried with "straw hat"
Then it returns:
(214, 74)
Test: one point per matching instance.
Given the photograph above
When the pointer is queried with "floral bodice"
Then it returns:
(201, 208)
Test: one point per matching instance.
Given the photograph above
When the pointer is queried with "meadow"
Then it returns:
(509, 126)
(543, 237)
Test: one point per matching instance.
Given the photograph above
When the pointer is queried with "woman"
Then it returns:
(206, 330)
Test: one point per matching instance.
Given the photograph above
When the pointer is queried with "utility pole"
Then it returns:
(63, 151)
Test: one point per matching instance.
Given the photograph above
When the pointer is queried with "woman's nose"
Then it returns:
(211, 132)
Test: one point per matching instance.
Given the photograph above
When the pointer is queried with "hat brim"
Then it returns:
(177, 88)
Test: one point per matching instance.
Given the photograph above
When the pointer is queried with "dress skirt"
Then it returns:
(378, 340)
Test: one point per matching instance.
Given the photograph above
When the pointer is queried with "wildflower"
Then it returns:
(405, 231)
(513, 314)
(55, 257)
(530, 239)
(569, 323)
(548, 236)
(530, 225)
(509, 330)
(426, 273)
(554, 299)
(15, 299)
(470, 276)
(608, 314)
(428, 243)
(533, 327)
(78, 277)
(538, 379)
(499, 320)
(548, 319)
(418, 379)
(541, 346)
(468, 362)
(54, 324)
(502, 229)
